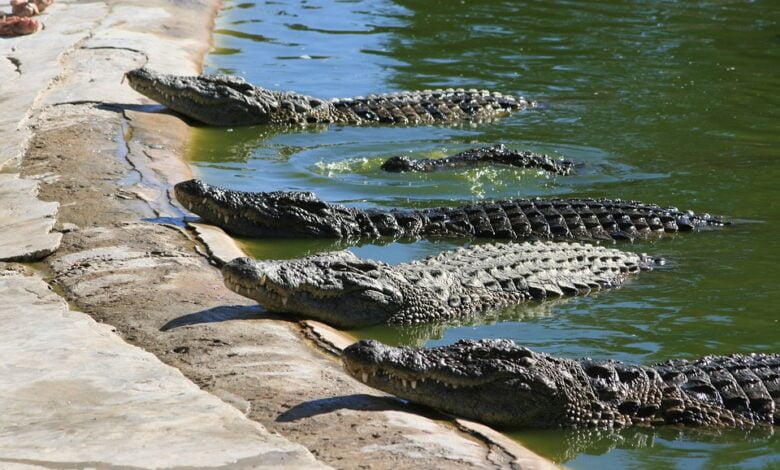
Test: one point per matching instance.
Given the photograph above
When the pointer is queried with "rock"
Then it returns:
(221, 248)
(25, 221)
(68, 227)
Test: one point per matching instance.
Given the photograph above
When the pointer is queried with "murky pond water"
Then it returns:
(670, 102)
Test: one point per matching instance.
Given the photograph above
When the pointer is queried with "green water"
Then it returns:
(670, 102)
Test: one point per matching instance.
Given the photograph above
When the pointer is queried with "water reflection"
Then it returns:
(670, 445)
(242, 144)
(342, 164)
(422, 334)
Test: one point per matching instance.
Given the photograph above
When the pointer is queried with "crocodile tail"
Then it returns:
(633, 216)
(580, 219)
(430, 106)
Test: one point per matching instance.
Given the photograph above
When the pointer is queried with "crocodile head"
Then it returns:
(494, 381)
(338, 288)
(276, 214)
(225, 100)
(220, 100)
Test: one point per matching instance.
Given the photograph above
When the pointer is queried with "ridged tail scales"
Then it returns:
(738, 390)
(427, 107)
(581, 219)
(485, 277)
(734, 391)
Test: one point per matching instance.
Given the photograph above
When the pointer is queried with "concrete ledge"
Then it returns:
(523, 458)
(75, 395)
(327, 337)
(36, 58)
(25, 221)
(221, 248)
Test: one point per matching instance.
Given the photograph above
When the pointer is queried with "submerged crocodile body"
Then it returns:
(224, 100)
(287, 214)
(500, 383)
(346, 291)
(473, 157)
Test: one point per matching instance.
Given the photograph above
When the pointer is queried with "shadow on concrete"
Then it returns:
(175, 221)
(143, 108)
(358, 402)
(147, 108)
(119, 107)
(224, 313)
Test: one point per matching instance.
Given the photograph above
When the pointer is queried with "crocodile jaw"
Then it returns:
(278, 214)
(518, 396)
(212, 99)
(344, 301)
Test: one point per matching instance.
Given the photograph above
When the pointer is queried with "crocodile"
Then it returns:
(224, 100)
(290, 214)
(346, 291)
(473, 157)
(500, 383)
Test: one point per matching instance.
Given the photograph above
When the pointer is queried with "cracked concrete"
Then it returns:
(33, 56)
(25, 221)
(85, 398)
(219, 246)
(16, 63)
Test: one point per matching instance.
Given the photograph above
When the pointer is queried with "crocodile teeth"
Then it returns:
(263, 279)
(364, 376)
(405, 384)
(284, 300)
(414, 384)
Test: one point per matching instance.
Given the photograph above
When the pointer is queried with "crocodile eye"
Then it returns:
(480, 353)
(365, 267)
(340, 267)
(354, 267)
